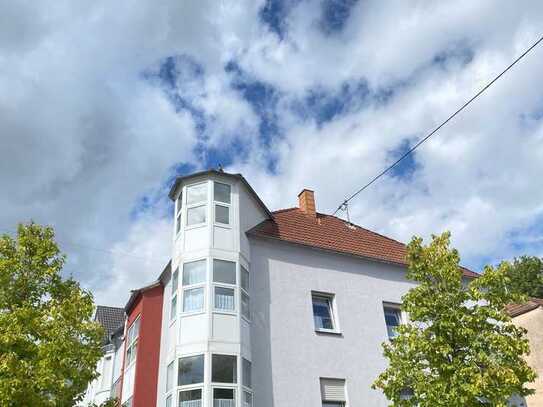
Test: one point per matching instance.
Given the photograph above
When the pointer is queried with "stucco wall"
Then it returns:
(533, 322)
(289, 357)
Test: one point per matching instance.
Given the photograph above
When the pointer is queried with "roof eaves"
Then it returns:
(135, 293)
(254, 233)
(239, 177)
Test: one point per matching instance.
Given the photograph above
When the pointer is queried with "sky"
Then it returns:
(103, 104)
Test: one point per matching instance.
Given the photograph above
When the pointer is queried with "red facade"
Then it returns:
(148, 306)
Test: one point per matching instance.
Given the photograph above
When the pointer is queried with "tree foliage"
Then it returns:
(526, 275)
(49, 345)
(459, 348)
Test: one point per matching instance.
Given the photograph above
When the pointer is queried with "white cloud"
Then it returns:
(85, 136)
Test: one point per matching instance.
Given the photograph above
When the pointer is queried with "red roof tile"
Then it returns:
(517, 309)
(331, 233)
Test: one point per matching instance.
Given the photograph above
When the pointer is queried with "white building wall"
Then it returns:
(289, 357)
(210, 331)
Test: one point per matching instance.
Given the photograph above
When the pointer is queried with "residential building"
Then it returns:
(259, 308)
(109, 366)
(530, 316)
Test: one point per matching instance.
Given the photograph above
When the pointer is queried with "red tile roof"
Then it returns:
(517, 309)
(331, 233)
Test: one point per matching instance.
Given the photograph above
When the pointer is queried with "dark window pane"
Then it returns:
(244, 279)
(179, 203)
(222, 192)
(322, 313)
(245, 306)
(175, 279)
(191, 370)
(222, 214)
(224, 271)
(224, 369)
(190, 395)
(246, 373)
(223, 394)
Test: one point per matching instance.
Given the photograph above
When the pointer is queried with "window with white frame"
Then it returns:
(333, 392)
(175, 286)
(245, 298)
(105, 379)
(191, 370)
(224, 397)
(222, 201)
(246, 378)
(393, 319)
(224, 368)
(196, 204)
(191, 398)
(224, 279)
(323, 312)
(194, 279)
(178, 207)
(132, 342)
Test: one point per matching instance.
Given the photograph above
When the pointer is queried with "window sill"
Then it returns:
(222, 225)
(192, 313)
(225, 312)
(328, 332)
(196, 226)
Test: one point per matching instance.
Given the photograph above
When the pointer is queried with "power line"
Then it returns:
(346, 201)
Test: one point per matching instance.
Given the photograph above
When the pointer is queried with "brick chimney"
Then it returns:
(306, 202)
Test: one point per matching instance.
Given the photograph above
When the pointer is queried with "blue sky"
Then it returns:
(103, 104)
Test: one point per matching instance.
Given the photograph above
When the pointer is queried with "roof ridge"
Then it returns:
(109, 306)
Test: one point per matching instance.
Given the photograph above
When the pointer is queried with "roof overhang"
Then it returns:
(238, 177)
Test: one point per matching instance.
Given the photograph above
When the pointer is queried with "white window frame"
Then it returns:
(236, 377)
(223, 204)
(196, 205)
(225, 387)
(331, 298)
(179, 214)
(133, 343)
(242, 269)
(187, 287)
(190, 388)
(233, 287)
(174, 295)
(246, 388)
(398, 307)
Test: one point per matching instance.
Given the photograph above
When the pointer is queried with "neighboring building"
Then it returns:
(530, 316)
(260, 308)
(109, 366)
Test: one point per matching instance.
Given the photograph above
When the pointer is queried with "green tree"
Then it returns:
(526, 275)
(459, 347)
(49, 345)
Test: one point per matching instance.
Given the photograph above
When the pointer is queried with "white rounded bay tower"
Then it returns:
(205, 353)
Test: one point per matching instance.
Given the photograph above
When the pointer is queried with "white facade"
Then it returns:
(290, 356)
(109, 372)
(292, 364)
(204, 298)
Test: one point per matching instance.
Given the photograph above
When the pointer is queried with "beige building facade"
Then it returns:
(530, 317)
